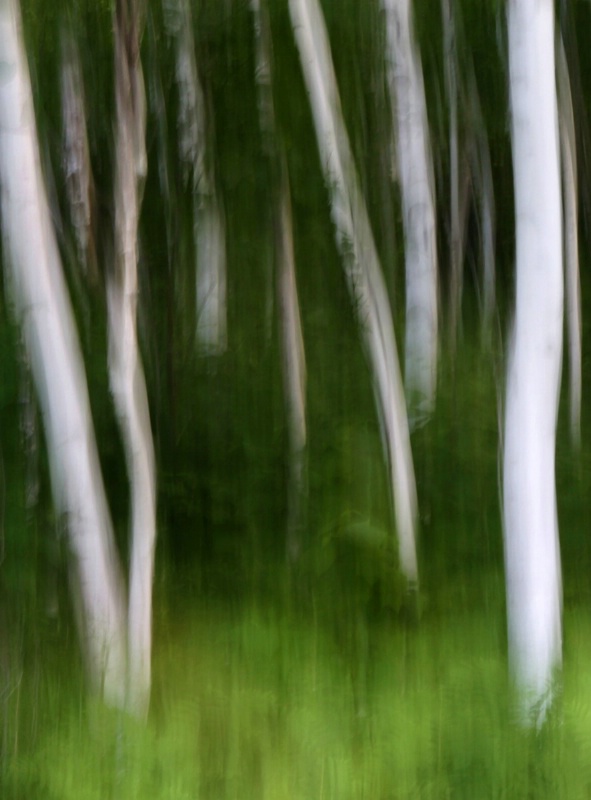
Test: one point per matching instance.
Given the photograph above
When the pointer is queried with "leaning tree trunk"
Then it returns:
(43, 310)
(125, 366)
(415, 169)
(364, 276)
(293, 359)
(532, 556)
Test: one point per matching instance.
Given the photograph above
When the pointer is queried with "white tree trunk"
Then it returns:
(294, 369)
(415, 169)
(532, 556)
(194, 151)
(125, 368)
(362, 267)
(43, 309)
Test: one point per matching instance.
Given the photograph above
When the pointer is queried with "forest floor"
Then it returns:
(265, 700)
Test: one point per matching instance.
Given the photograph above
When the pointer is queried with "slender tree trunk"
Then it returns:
(415, 169)
(483, 187)
(78, 170)
(43, 309)
(365, 280)
(448, 12)
(125, 367)
(568, 149)
(293, 360)
(532, 556)
(294, 369)
(195, 151)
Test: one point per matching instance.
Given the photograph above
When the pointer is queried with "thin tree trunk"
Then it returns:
(195, 148)
(292, 342)
(125, 367)
(415, 169)
(365, 280)
(43, 310)
(485, 198)
(532, 556)
(78, 170)
(294, 368)
(568, 149)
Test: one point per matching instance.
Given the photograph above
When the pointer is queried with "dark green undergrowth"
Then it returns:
(328, 681)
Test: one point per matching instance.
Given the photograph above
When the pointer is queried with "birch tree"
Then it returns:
(362, 268)
(195, 148)
(125, 367)
(43, 310)
(532, 557)
(415, 169)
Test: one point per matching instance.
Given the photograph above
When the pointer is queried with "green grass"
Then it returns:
(259, 701)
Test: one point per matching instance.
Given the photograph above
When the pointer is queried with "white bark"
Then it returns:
(294, 368)
(568, 147)
(125, 368)
(43, 309)
(415, 169)
(194, 151)
(363, 271)
(532, 556)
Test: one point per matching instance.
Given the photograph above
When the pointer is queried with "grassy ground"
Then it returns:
(258, 700)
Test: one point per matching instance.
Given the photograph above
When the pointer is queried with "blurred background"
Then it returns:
(277, 672)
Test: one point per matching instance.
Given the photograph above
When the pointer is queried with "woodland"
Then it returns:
(295, 462)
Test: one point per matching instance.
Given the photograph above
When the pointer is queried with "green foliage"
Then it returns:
(270, 684)
(259, 702)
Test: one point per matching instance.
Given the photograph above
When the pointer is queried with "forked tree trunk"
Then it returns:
(43, 310)
(125, 367)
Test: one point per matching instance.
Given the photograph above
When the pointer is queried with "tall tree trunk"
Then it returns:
(364, 276)
(450, 55)
(195, 151)
(568, 149)
(532, 556)
(415, 169)
(483, 188)
(43, 310)
(294, 367)
(125, 367)
(78, 171)
(293, 359)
